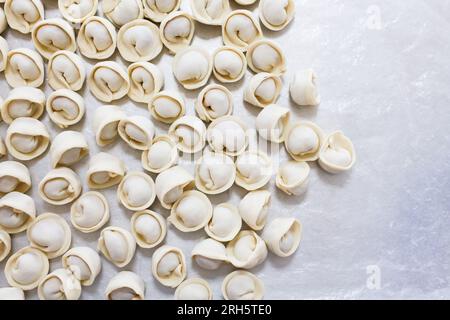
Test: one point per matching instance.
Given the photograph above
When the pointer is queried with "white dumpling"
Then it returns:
(225, 223)
(22, 15)
(266, 56)
(192, 67)
(210, 12)
(176, 31)
(24, 67)
(282, 236)
(17, 212)
(77, 11)
(169, 266)
(157, 10)
(229, 64)
(89, 212)
(84, 263)
(68, 148)
(121, 12)
(246, 250)
(23, 102)
(304, 88)
(149, 228)
(66, 71)
(161, 155)
(213, 102)
(214, 173)
(228, 134)
(276, 14)
(65, 107)
(193, 289)
(189, 132)
(146, 80)
(136, 191)
(125, 285)
(60, 284)
(117, 245)
(108, 81)
(337, 154)
(60, 186)
(14, 176)
(263, 90)
(105, 170)
(240, 29)
(304, 140)
(97, 38)
(167, 106)
(242, 285)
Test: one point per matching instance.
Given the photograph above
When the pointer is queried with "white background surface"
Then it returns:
(384, 79)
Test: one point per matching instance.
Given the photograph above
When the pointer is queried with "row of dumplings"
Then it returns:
(22, 15)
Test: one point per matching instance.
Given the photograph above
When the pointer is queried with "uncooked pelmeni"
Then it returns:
(121, 12)
(245, 2)
(229, 64)
(272, 123)
(263, 89)
(60, 186)
(24, 67)
(194, 289)
(77, 11)
(304, 140)
(136, 191)
(242, 285)
(209, 254)
(214, 173)
(170, 185)
(26, 268)
(225, 223)
(148, 228)
(89, 212)
(275, 15)
(106, 122)
(22, 15)
(4, 48)
(176, 31)
(146, 80)
(5, 244)
(246, 250)
(108, 81)
(282, 236)
(53, 35)
(11, 293)
(137, 132)
(105, 170)
(253, 170)
(228, 134)
(68, 147)
(169, 266)
(97, 38)
(337, 153)
(3, 22)
(3, 150)
(23, 102)
(17, 212)
(254, 208)
(191, 212)
(117, 245)
(266, 56)
(192, 67)
(303, 88)
(26, 138)
(293, 177)
(167, 106)
(213, 102)
(161, 155)
(14, 176)
(157, 10)
(210, 12)
(125, 285)
(240, 29)
(65, 107)
(50, 233)
(84, 263)
(190, 134)
(66, 70)
(138, 40)
(60, 284)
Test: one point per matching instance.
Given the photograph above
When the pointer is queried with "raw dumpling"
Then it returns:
(254, 208)
(214, 173)
(263, 90)
(22, 15)
(189, 132)
(176, 31)
(53, 35)
(24, 67)
(60, 284)
(266, 56)
(210, 12)
(242, 285)
(137, 132)
(240, 29)
(229, 64)
(117, 245)
(304, 140)
(121, 12)
(106, 122)
(108, 81)
(11, 293)
(5, 244)
(84, 263)
(161, 155)
(138, 40)
(125, 285)
(293, 177)
(146, 80)
(213, 102)
(68, 147)
(49, 233)
(17, 212)
(303, 88)
(14, 176)
(276, 14)
(247, 250)
(66, 71)
(169, 266)
(225, 223)
(60, 186)
(192, 67)
(253, 170)
(4, 48)
(209, 254)
(90, 212)
(337, 154)
(193, 289)
(171, 184)
(105, 170)
(26, 268)
(149, 228)
(157, 10)
(272, 123)
(97, 38)
(136, 191)
(77, 11)
(27, 138)
(23, 102)
(228, 134)
(167, 106)
(65, 107)
(282, 236)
